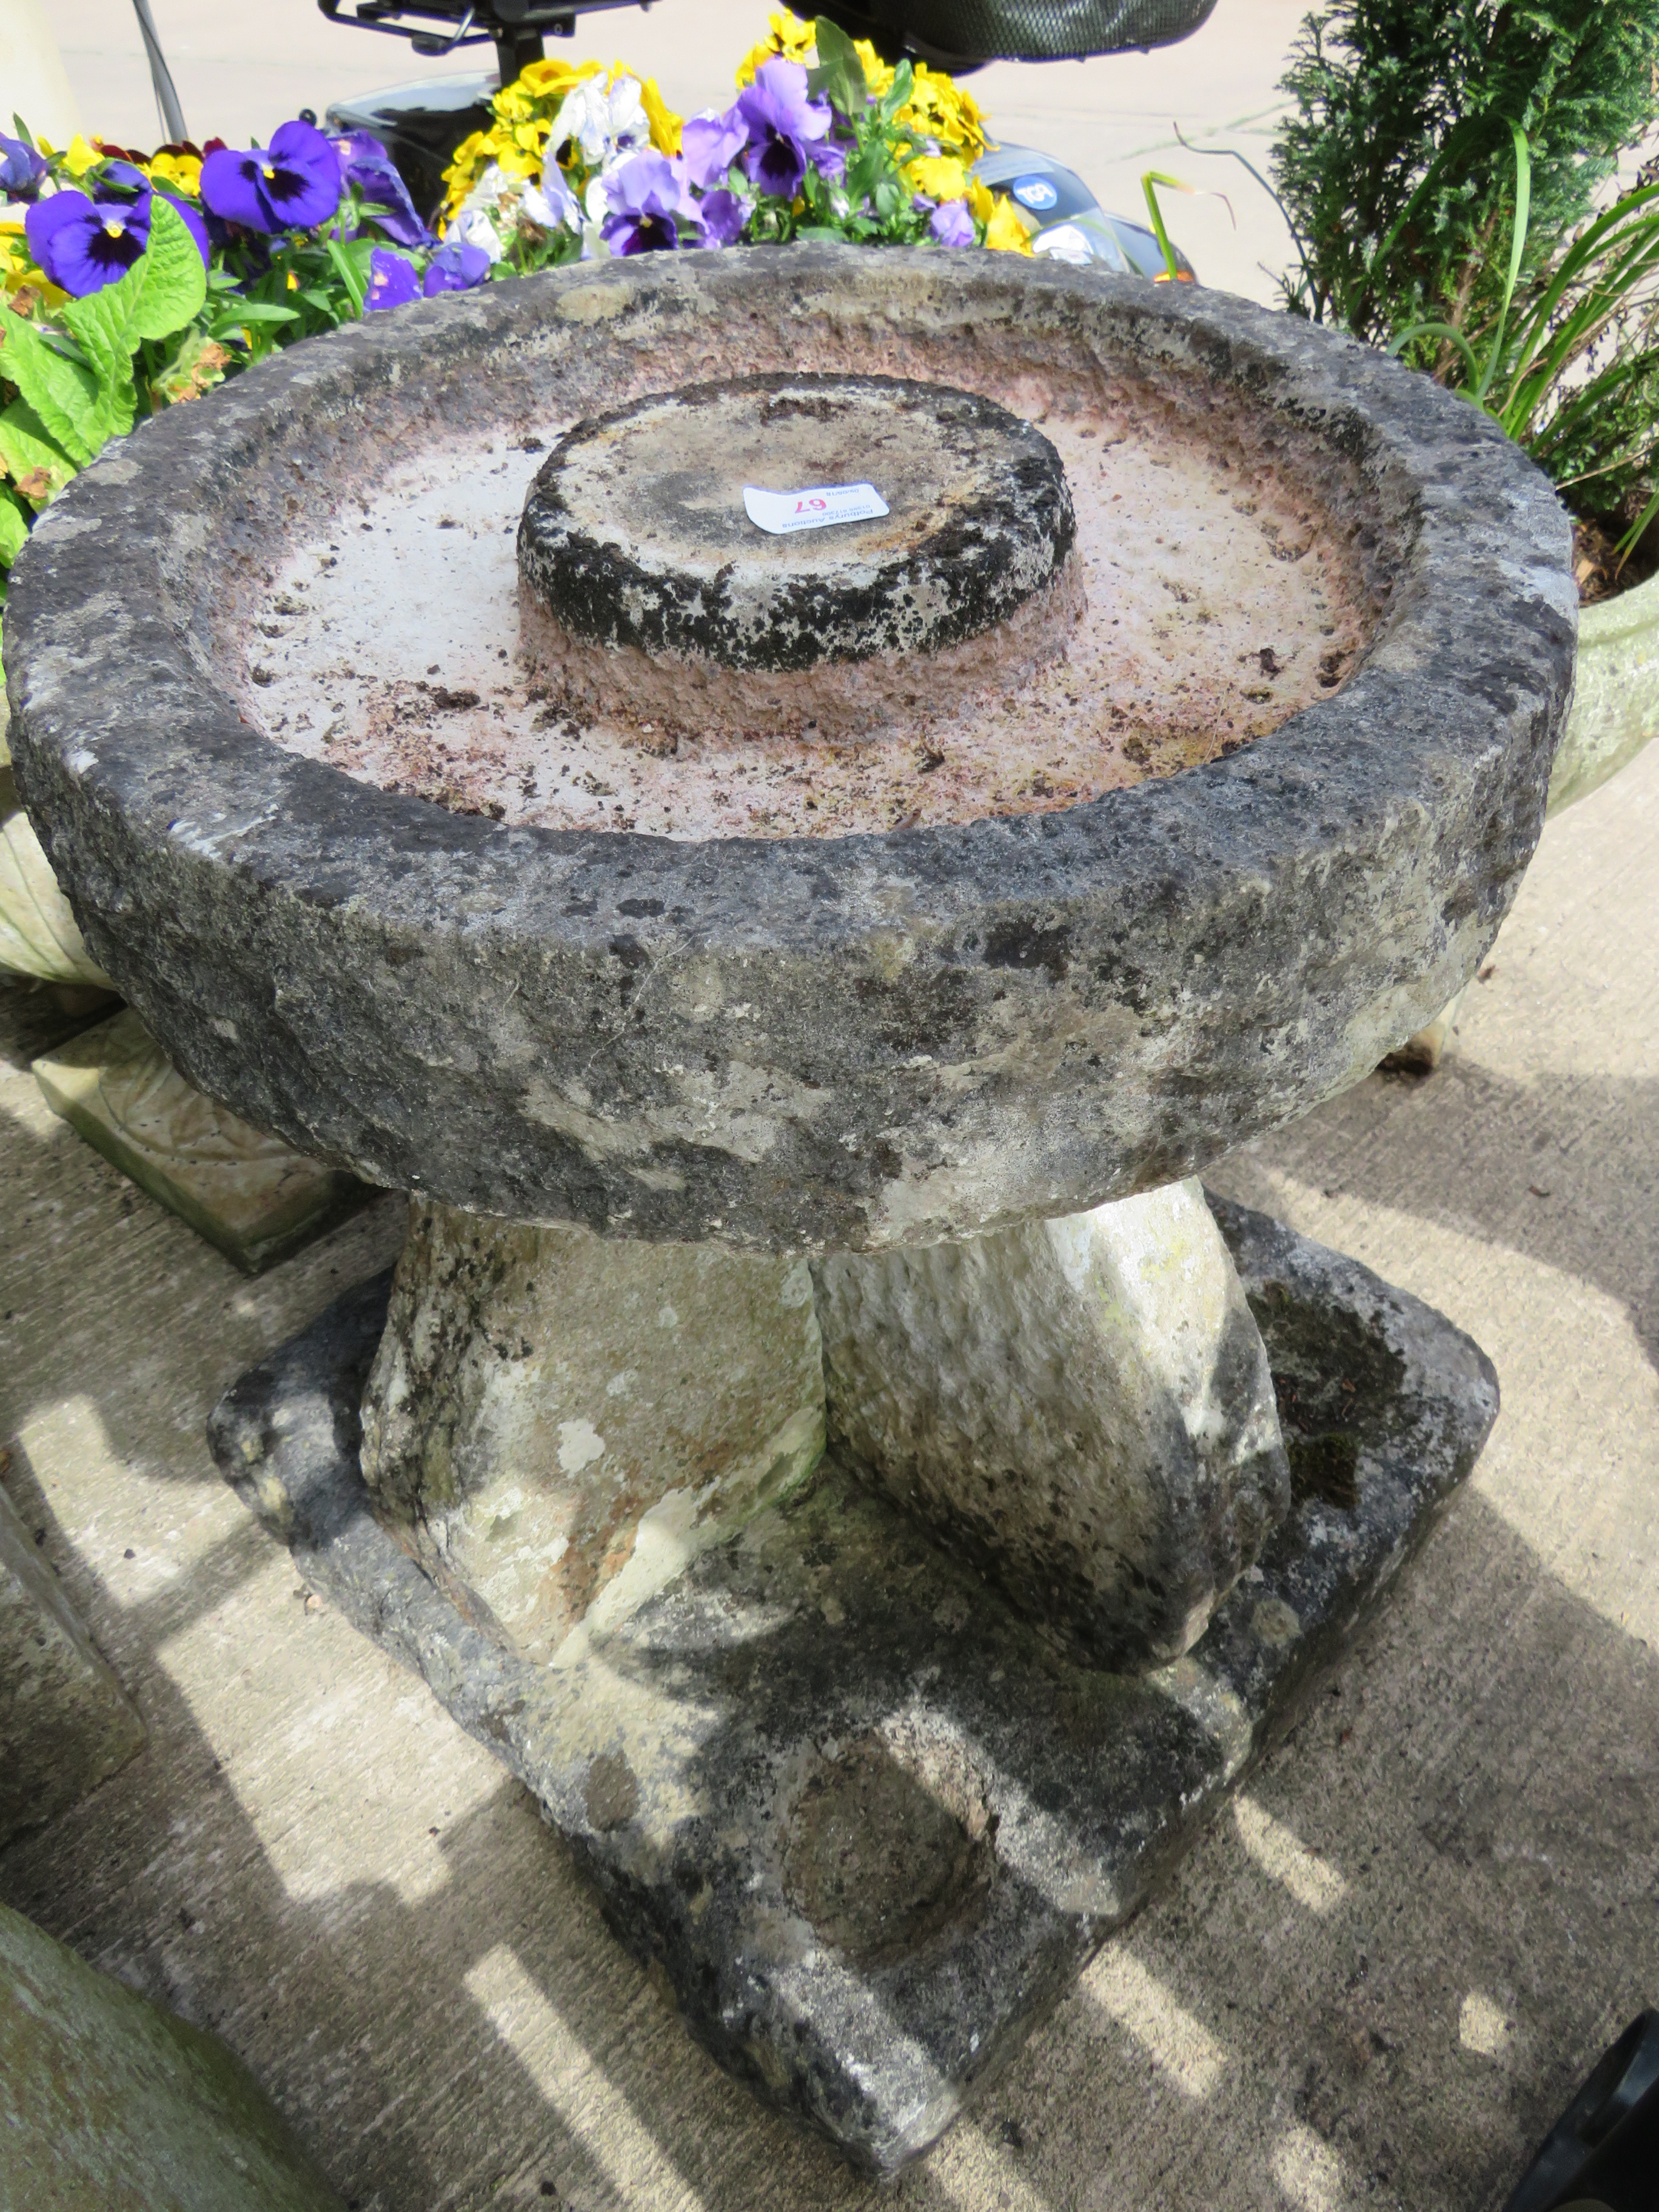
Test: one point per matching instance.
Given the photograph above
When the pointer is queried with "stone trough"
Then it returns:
(797, 972)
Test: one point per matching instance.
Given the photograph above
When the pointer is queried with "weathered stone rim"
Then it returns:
(1017, 1015)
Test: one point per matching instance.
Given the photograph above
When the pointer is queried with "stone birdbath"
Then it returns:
(798, 975)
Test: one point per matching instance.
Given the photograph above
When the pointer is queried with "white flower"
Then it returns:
(487, 192)
(605, 124)
(596, 200)
(473, 226)
(552, 204)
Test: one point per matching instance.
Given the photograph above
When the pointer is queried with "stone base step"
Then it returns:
(248, 1194)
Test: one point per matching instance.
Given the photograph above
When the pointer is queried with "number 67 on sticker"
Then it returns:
(812, 509)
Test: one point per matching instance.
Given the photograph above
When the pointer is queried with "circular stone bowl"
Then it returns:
(795, 1042)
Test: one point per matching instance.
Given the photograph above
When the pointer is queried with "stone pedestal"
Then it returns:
(1424, 1050)
(1081, 1408)
(860, 1812)
(65, 1722)
(560, 1422)
(39, 933)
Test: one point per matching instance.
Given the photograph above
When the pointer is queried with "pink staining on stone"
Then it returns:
(1223, 594)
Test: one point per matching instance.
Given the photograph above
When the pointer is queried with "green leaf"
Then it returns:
(174, 281)
(356, 285)
(159, 294)
(63, 395)
(26, 446)
(839, 76)
(14, 530)
(258, 311)
(897, 93)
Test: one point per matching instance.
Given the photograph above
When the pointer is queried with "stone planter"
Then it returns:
(1615, 706)
(1614, 711)
(38, 935)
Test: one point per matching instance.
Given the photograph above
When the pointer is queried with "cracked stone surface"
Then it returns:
(1081, 1408)
(560, 1422)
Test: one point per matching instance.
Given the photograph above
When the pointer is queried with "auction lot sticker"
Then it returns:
(812, 509)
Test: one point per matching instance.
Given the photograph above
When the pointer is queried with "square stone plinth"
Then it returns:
(861, 1815)
(248, 1194)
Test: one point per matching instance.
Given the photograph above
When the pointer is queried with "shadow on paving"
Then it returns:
(1484, 1793)
(1563, 1170)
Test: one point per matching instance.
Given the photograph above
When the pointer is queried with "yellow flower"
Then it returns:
(552, 80)
(795, 41)
(517, 162)
(471, 155)
(1006, 233)
(981, 205)
(81, 157)
(181, 169)
(877, 75)
(938, 108)
(664, 123)
(21, 280)
(941, 176)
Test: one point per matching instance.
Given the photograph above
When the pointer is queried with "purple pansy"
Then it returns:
(455, 267)
(830, 159)
(710, 143)
(368, 168)
(82, 245)
(722, 216)
(782, 123)
(118, 179)
(393, 280)
(648, 201)
(951, 224)
(21, 169)
(292, 183)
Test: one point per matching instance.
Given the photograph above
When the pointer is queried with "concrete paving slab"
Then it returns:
(65, 1723)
